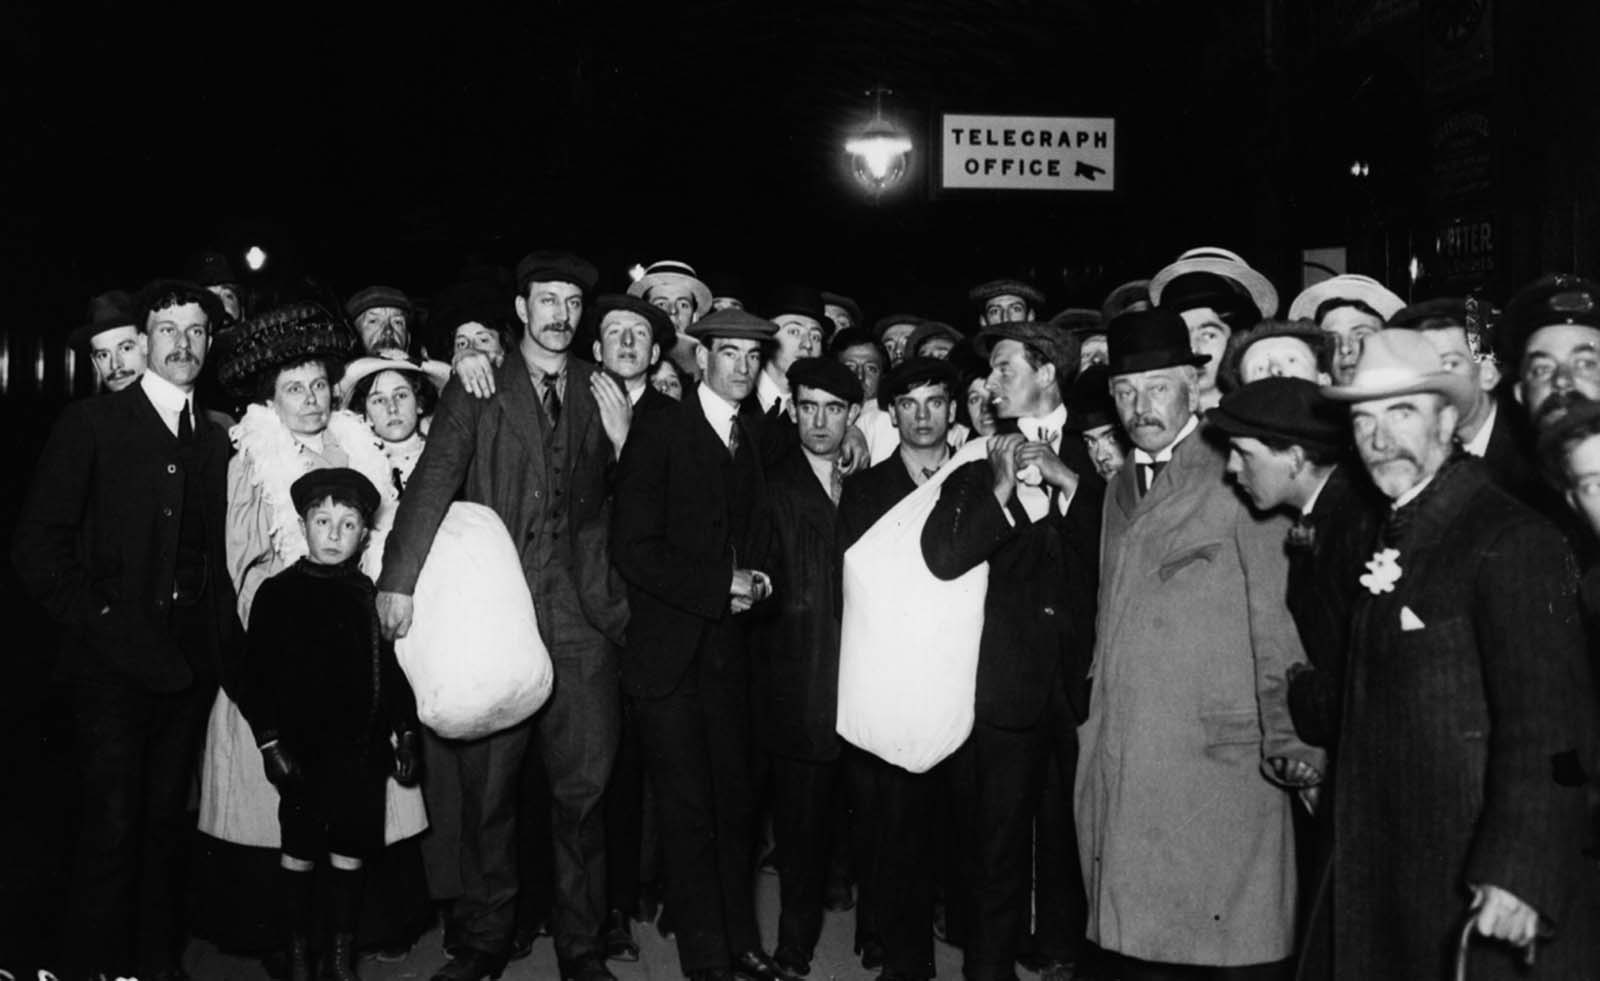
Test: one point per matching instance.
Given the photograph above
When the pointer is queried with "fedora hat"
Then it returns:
(670, 272)
(1146, 340)
(108, 311)
(1223, 264)
(1348, 286)
(1395, 361)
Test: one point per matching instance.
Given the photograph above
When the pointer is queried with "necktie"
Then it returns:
(185, 425)
(835, 484)
(552, 401)
(733, 437)
(1148, 473)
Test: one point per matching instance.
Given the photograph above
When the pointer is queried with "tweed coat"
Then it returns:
(1467, 706)
(1187, 848)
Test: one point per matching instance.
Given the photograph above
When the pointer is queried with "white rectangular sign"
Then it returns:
(1028, 153)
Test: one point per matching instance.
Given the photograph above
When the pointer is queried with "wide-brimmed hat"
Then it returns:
(1146, 340)
(1347, 286)
(1558, 298)
(1292, 409)
(732, 322)
(1132, 295)
(1401, 362)
(555, 266)
(286, 335)
(1089, 402)
(984, 292)
(437, 372)
(662, 332)
(158, 294)
(108, 311)
(670, 272)
(1060, 347)
(1221, 263)
(377, 296)
(840, 300)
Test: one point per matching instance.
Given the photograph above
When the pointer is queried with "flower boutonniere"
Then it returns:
(1383, 571)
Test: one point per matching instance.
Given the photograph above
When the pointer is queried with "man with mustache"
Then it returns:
(537, 452)
(1186, 840)
(115, 343)
(381, 316)
(121, 540)
(1468, 701)
(1550, 343)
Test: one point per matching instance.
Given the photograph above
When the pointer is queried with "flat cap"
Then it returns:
(826, 374)
(1291, 409)
(555, 266)
(850, 306)
(661, 330)
(377, 296)
(732, 322)
(1559, 298)
(930, 329)
(1057, 345)
(882, 325)
(984, 292)
(340, 483)
(913, 373)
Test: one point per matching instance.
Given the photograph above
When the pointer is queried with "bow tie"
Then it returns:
(1302, 534)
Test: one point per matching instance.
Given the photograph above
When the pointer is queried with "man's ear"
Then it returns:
(144, 344)
(655, 354)
(305, 532)
(854, 414)
(788, 410)
(1488, 374)
(522, 310)
(950, 412)
(702, 357)
(597, 352)
(1297, 459)
(1516, 392)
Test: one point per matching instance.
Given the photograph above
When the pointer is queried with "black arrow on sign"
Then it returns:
(1087, 171)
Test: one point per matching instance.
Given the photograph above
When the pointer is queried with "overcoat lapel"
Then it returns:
(524, 415)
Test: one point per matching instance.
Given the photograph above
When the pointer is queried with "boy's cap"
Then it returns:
(336, 482)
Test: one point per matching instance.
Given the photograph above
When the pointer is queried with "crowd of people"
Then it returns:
(1278, 655)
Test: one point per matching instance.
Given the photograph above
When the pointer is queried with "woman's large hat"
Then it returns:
(286, 335)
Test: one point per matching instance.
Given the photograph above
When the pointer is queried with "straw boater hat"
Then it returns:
(1401, 362)
(391, 360)
(669, 272)
(1221, 263)
(1349, 286)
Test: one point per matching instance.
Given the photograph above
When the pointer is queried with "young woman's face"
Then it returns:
(391, 407)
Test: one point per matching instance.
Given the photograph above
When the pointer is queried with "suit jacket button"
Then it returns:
(166, 512)
(172, 468)
(1049, 611)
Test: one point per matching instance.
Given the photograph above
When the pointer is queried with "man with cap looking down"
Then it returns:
(1459, 784)
(1186, 841)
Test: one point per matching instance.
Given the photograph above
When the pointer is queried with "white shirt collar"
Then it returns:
(167, 398)
(1051, 424)
(767, 390)
(635, 394)
(1311, 502)
(1480, 443)
(1140, 456)
(823, 467)
(719, 411)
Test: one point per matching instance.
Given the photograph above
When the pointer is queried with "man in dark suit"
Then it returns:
(1032, 511)
(1468, 702)
(121, 540)
(536, 452)
(895, 810)
(687, 488)
(796, 657)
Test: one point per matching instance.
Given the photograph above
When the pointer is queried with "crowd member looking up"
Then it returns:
(1348, 307)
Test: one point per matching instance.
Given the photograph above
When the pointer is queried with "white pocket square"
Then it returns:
(1409, 620)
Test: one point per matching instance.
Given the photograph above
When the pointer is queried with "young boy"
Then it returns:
(323, 694)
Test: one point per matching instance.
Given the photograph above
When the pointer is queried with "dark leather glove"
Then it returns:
(407, 758)
(281, 768)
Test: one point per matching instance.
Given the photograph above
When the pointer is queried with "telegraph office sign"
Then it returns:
(1027, 153)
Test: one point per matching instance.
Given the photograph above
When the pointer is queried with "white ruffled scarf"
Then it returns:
(273, 461)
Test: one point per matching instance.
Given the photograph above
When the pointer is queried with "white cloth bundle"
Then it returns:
(473, 654)
(908, 658)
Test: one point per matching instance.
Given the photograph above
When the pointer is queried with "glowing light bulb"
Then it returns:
(255, 257)
(635, 272)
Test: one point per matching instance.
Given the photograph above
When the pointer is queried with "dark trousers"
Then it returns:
(625, 818)
(804, 822)
(136, 754)
(896, 822)
(1060, 908)
(697, 754)
(536, 877)
(999, 775)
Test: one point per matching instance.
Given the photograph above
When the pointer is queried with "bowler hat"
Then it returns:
(732, 322)
(210, 268)
(108, 311)
(840, 300)
(377, 296)
(555, 266)
(984, 292)
(1276, 409)
(798, 300)
(1145, 340)
(662, 332)
(1223, 265)
(1059, 347)
(1346, 286)
(1559, 298)
(1089, 402)
(1400, 362)
(316, 486)
(828, 375)
(669, 272)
